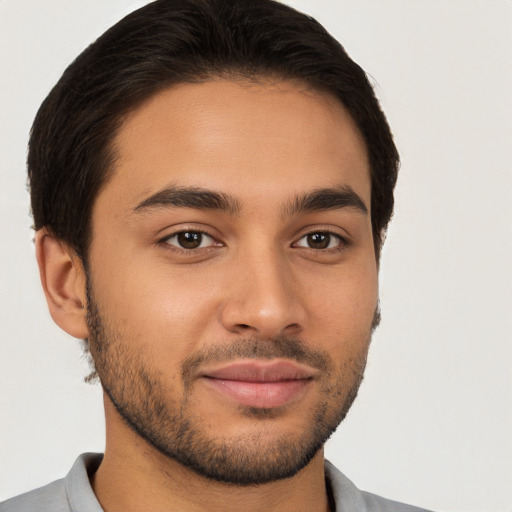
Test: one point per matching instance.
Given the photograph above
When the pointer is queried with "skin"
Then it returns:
(254, 278)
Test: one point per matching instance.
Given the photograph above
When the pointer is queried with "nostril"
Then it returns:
(293, 328)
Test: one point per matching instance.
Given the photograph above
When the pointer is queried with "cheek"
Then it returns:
(154, 304)
(343, 307)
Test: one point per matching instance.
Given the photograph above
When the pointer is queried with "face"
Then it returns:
(232, 275)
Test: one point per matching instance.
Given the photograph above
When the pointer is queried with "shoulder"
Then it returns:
(376, 503)
(348, 497)
(50, 497)
(71, 494)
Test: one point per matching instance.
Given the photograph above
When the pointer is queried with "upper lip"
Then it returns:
(252, 370)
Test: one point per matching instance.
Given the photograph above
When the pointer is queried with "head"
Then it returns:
(71, 154)
(239, 138)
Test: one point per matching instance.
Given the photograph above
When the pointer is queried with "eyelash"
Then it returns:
(342, 244)
(191, 251)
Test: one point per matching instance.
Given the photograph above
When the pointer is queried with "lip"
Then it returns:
(261, 384)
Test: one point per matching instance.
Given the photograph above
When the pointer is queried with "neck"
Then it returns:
(135, 476)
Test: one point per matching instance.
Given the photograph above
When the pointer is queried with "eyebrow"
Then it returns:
(205, 199)
(190, 197)
(326, 199)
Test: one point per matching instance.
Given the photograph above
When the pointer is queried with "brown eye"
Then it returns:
(319, 240)
(190, 240)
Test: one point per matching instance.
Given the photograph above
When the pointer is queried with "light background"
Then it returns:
(433, 422)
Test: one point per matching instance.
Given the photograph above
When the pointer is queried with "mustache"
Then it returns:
(253, 348)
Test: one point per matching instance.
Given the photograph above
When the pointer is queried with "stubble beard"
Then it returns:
(171, 426)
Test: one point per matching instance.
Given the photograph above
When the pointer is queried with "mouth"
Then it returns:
(260, 383)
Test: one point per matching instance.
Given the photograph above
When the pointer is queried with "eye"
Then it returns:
(320, 240)
(190, 240)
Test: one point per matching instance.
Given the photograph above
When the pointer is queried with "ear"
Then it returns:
(64, 283)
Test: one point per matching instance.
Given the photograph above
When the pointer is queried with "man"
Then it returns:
(210, 184)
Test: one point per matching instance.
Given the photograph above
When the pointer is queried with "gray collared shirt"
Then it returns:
(74, 493)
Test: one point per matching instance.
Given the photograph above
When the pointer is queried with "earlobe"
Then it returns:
(64, 283)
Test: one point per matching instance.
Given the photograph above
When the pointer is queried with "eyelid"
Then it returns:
(343, 240)
(323, 228)
(203, 235)
(333, 235)
(183, 228)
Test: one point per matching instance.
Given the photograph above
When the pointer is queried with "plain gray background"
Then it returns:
(433, 420)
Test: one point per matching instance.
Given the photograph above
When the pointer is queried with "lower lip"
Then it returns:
(264, 395)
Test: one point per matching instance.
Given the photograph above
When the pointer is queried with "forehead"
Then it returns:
(244, 139)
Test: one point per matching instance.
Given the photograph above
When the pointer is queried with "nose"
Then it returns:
(263, 298)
